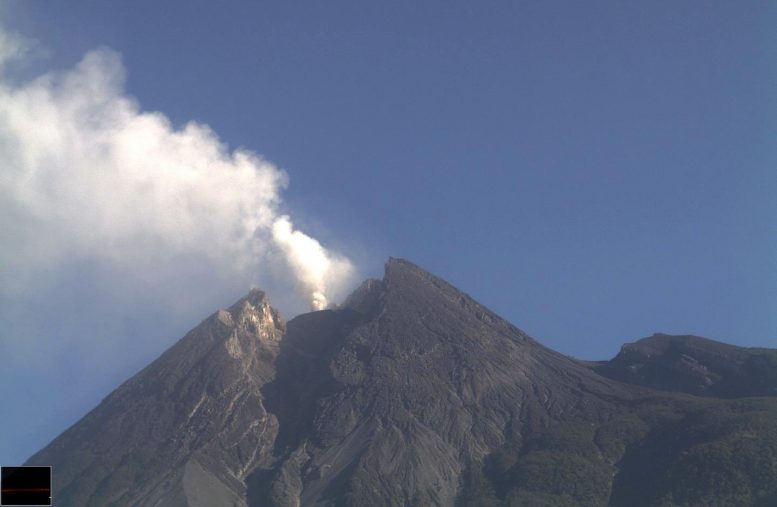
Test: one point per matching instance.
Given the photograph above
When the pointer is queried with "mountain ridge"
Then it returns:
(695, 365)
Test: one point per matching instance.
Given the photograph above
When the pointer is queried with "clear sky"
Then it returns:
(594, 172)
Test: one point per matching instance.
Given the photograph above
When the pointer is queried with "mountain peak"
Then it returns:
(254, 310)
(255, 298)
(413, 393)
(402, 277)
(397, 270)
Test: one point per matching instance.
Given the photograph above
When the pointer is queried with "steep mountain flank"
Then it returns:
(409, 394)
(186, 429)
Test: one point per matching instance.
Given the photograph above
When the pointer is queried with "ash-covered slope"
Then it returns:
(186, 429)
(411, 394)
(430, 383)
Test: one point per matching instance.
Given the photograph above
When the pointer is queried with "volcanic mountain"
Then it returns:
(413, 394)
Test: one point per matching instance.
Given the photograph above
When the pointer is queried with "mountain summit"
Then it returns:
(412, 393)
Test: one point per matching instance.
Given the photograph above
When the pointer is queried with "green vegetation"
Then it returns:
(477, 490)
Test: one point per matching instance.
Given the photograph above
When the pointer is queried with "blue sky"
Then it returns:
(593, 173)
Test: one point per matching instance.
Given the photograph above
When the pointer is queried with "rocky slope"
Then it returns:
(412, 393)
(184, 431)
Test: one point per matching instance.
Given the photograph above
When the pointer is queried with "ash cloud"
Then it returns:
(85, 174)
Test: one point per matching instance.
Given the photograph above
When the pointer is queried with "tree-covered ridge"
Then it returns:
(667, 451)
(695, 365)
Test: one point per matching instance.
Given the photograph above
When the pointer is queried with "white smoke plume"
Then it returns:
(13, 47)
(86, 174)
(315, 268)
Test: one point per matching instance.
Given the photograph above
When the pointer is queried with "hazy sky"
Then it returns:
(594, 172)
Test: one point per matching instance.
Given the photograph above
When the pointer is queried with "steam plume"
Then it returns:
(85, 174)
(314, 267)
(12, 47)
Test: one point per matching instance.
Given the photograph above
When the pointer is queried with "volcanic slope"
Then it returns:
(186, 429)
(411, 393)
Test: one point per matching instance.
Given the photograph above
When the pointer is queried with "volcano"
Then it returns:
(413, 394)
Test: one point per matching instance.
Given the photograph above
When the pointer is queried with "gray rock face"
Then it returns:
(411, 393)
(184, 431)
